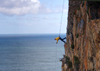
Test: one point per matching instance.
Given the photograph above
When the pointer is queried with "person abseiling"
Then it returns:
(59, 38)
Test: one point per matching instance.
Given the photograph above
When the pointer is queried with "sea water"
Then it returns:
(30, 53)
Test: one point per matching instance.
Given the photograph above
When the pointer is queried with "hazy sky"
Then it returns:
(32, 16)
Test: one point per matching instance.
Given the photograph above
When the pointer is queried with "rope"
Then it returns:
(59, 33)
(61, 17)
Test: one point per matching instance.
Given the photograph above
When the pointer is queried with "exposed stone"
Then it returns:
(73, 5)
(81, 21)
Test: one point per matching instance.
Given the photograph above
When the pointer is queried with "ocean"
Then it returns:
(30, 53)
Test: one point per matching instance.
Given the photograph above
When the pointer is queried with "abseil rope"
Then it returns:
(61, 17)
(59, 31)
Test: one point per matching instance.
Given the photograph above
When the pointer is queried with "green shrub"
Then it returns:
(67, 58)
(69, 64)
(77, 35)
(76, 60)
(72, 46)
(83, 33)
(78, 8)
(74, 13)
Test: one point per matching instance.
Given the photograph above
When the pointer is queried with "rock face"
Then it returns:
(82, 50)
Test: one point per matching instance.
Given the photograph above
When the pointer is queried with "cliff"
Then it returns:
(82, 50)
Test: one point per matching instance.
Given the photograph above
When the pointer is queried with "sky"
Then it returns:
(32, 16)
